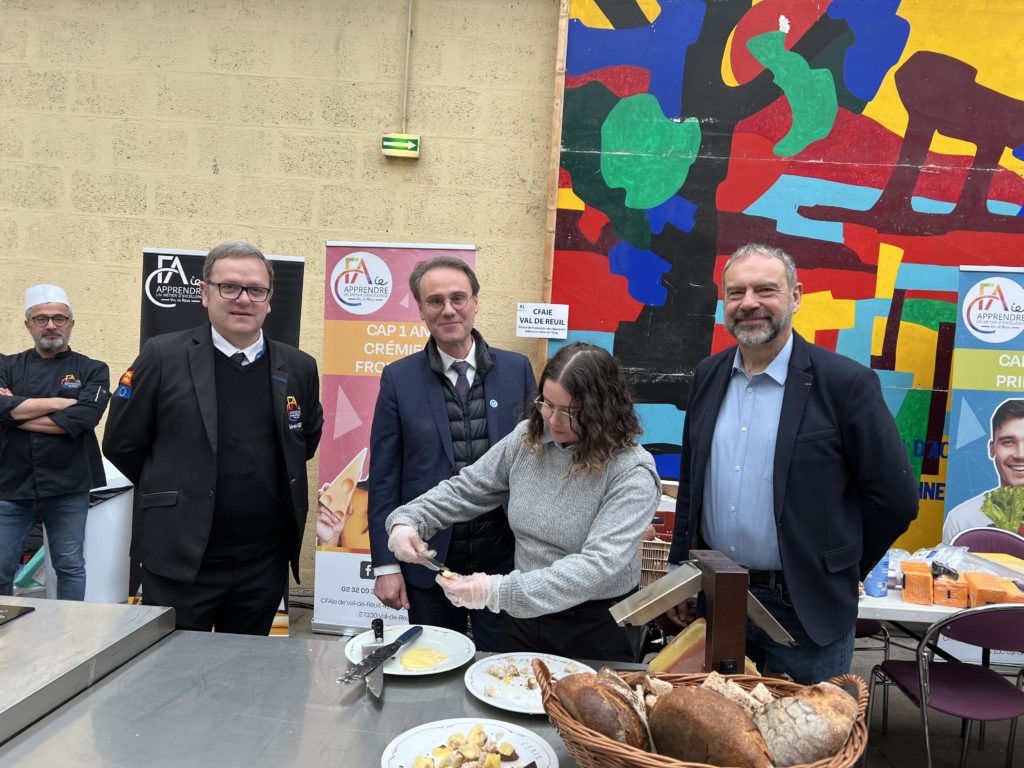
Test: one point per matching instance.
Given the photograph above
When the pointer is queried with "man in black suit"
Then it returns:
(793, 467)
(214, 426)
(439, 410)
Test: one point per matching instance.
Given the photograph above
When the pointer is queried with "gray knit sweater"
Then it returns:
(577, 538)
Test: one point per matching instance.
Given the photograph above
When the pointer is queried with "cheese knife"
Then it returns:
(433, 563)
(375, 680)
(378, 657)
(758, 614)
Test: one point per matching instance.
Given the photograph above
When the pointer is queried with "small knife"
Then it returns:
(433, 563)
(758, 614)
(375, 680)
(378, 657)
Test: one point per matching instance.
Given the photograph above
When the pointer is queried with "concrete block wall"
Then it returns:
(127, 124)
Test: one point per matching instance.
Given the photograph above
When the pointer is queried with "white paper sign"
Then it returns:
(542, 321)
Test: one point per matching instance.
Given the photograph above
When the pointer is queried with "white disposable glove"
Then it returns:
(407, 544)
(476, 591)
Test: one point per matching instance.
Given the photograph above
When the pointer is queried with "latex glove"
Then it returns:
(407, 544)
(476, 591)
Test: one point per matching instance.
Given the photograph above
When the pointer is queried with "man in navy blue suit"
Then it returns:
(438, 411)
(793, 467)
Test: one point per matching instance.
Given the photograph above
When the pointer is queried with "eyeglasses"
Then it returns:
(436, 303)
(232, 291)
(59, 321)
(547, 411)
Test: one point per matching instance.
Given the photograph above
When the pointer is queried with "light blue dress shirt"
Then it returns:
(739, 515)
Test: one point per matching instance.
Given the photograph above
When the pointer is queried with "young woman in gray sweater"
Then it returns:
(579, 492)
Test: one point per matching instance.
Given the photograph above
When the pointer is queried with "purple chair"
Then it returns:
(968, 691)
(990, 539)
(875, 630)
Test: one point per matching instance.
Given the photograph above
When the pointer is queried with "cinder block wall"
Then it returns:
(127, 124)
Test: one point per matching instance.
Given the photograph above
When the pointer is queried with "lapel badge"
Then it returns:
(294, 412)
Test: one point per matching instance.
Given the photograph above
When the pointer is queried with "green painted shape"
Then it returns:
(644, 152)
(912, 422)
(811, 92)
(586, 109)
(928, 313)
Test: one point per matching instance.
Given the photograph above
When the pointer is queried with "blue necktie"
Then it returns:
(462, 383)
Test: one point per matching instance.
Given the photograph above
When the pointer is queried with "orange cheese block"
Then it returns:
(685, 654)
(1012, 593)
(917, 582)
(950, 592)
(983, 588)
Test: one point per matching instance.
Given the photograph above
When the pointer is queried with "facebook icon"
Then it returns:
(366, 570)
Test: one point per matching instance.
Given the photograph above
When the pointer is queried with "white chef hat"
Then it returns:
(44, 294)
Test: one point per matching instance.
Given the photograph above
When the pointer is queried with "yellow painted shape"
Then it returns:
(649, 8)
(915, 350)
(588, 12)
(889, 258)
(821, 312)
(727, 74)
(978, 33)
(568, 200)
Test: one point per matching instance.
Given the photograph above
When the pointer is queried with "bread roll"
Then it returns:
(595, 702)
(698, 725)
(811, 725)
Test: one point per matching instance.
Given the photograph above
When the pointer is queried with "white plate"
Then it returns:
(457, 649)
(404, 749)
(514, 694)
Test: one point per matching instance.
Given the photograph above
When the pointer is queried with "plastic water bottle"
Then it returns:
(877, 582)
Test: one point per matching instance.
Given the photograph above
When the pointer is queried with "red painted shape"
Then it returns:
(591, 223)
(752, 171)
(947, 296)
(564, 179)
(764, 17)
(721, 339)
(622, 80)
(844, 284)
(827, 338)
(599, 299)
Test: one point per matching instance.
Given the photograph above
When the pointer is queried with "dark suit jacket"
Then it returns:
(162, 434)
(411, 439)
(843, 486)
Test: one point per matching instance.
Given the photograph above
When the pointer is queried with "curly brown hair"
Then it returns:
(605, 420)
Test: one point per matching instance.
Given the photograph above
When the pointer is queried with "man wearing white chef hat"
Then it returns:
(51, 400)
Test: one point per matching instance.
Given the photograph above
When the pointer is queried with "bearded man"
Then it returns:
(793, 467)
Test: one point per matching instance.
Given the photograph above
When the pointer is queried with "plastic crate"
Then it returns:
(653, 560)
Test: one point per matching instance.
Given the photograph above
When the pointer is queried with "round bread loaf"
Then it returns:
(698, 725)
(811, 725)
(595, 702)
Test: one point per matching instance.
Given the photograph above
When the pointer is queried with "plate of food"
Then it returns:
(436, 650)
(506, 680)
(470, 743)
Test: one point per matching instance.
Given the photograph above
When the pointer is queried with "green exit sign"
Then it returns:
(400, 145)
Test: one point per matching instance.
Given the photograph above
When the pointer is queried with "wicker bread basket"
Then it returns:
(594, 750)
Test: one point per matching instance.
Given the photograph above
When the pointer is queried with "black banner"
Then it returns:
(171, 298)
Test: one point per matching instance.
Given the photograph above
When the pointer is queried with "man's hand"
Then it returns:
(34, 407)
(6, 392)
(407, 544)
(679, 616)
(390, 590)
(476, 591)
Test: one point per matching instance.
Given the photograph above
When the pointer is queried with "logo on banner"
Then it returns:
(994, 310)
(168, 285)
(361, 283)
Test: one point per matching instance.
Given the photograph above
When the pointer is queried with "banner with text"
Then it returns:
(370, 320)
(985, 484)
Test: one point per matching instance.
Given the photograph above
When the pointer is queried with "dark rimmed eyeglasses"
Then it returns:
(232, 291)
(40, 321)
(547, 411)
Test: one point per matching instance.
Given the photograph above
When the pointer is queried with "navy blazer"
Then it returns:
(843, 486)
(411, 440)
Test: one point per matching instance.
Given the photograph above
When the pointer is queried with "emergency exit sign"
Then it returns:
(400, 145)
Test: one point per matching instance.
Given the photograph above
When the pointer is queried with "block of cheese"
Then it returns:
(917, 582)
(950, 592)
(1013, 590)
(983, 589)
(685, 654)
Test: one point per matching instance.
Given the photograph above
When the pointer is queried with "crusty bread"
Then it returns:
(597, 703)
(698, 725)
(811, 725)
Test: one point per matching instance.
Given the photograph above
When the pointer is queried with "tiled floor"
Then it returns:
(901, 747)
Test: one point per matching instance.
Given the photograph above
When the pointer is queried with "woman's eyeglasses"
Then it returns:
(547, 411)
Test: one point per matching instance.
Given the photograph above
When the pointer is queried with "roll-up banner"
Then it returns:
(370, 320)
(171, 298)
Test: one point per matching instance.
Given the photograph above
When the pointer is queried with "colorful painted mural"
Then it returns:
(879, 142)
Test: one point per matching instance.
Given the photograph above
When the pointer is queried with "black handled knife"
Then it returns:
(378, 657)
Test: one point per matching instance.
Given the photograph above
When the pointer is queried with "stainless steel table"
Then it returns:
(198, 699)
(62, 647)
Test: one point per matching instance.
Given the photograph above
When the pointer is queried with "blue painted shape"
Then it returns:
(667, 465)
(661, 422)
(677, 211)
(1019, 152)
(895, 385)
(970, 427)
(855, 342)
(928, 277)
(880, 37)
(659, 47)
(597, 338)
(642, 270)
(720, 312)
(781, 200)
